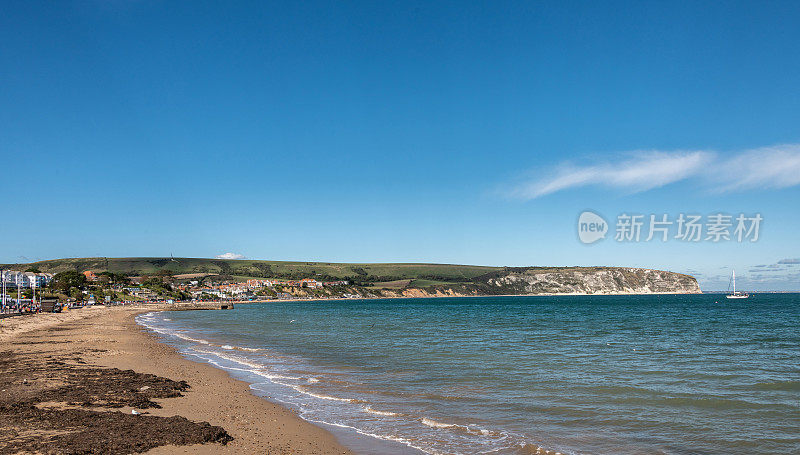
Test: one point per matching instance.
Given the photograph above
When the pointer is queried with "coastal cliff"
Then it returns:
(568, 280)
(596, 280)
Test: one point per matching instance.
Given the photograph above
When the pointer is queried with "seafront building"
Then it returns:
(244, 290)
(13, 278)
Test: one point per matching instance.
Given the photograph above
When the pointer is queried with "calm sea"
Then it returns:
(666, 374)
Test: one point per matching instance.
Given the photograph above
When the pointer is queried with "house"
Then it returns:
(90, 276)
(310, 283)
(25, 279)
(143, 293)
(210, 291)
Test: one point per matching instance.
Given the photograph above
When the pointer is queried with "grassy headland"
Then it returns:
(175, 277)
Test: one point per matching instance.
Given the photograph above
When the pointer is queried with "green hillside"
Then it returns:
(267, 269)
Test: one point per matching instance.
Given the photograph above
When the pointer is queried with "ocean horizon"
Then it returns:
(630, 374)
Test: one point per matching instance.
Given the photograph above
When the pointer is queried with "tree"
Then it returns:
(113, 278)
(64, 281)
(33, 270)
(76, 294)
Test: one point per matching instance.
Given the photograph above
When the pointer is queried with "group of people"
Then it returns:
(11, 306)
(24, 306)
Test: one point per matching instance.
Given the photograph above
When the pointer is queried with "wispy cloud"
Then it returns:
(230, 256)
(766, 167)
(644, 171)
(783, 264)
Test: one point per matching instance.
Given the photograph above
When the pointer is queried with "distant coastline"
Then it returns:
(181, 279)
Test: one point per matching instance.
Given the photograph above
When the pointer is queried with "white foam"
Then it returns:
(384, 437)
(320, 396)
(254, 368)
(313, 380)
(471, 429)
(435, 424)
(380, 413)
(188, 338)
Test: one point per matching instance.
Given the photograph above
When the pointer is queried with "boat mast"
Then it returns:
(734, 282)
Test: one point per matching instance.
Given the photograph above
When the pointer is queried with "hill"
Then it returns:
(400, 279)
(246, 268)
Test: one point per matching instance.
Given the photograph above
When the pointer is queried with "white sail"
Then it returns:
(734, 294)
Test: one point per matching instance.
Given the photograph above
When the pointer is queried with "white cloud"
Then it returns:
(230, 256)
(791, 261)
(643, 172)
(762, 168)
(766, 167)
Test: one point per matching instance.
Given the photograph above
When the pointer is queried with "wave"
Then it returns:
(369, 410)
(302, 390)
(150, 317)
(195, 340)
(533, 449)
(324, 397)
(782, 386)
(384, 437)
(254, 367)
(466, 429)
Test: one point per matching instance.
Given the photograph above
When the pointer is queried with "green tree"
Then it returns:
(114, 278)
(76, 294)
(64, 281)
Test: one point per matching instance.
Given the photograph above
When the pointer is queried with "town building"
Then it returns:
(90, 276)
(310, 283)
(25, 279)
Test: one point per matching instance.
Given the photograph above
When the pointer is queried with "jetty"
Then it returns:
(187, 306)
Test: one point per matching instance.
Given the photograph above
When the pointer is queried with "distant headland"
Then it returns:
(150, 278)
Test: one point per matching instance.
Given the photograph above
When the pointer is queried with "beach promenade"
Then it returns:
(93, 381)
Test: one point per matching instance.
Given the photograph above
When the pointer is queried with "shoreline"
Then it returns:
(110, 338)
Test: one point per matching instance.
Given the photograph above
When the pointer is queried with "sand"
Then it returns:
(75, 366)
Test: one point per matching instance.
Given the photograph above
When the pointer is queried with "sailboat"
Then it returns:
(734, 294)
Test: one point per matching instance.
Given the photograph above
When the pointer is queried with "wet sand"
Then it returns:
(70, 382)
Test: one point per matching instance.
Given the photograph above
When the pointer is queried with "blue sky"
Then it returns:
(457, 132)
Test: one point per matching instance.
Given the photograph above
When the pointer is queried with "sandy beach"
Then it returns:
(71, 381)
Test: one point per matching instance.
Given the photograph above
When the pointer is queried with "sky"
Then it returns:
(449, 132)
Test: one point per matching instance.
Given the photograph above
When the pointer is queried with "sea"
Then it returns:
(622, 375)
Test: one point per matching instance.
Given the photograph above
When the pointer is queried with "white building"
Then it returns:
(25, 279)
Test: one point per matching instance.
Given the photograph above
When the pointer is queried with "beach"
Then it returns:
(504, 375)
(72, 382)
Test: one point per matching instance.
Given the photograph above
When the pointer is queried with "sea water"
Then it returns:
(661, 374)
